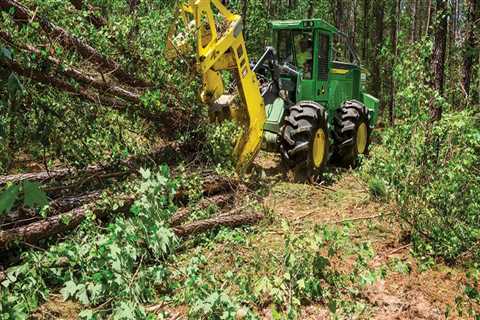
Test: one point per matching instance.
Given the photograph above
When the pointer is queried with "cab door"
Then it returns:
(322, 61)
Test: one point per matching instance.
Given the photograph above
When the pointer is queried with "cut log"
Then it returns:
(161, 154)
(182, 214)
(23, 216)
(21, 14)
(51, 226)
(75, 73)
(222, 221)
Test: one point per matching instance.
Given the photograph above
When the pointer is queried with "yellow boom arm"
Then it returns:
(220, 45)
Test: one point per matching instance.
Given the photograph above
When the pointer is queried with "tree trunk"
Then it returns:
(439, 55)
(221, 221)
(379, 10)
(76, 74)
(52, 226)
(394, 20)
(23, 15)
(339, 15)
(429, 17)
(471, 46)
(413, 36)
(244, 17)
(366, 6)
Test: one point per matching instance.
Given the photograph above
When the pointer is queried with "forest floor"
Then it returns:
(407, 291)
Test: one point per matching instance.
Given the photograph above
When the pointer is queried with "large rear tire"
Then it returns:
(351, 133)
(304, 143)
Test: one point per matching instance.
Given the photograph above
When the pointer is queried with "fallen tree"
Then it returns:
(184, 213)
(51, 226)
(54, 225)
(73, 73)
(231, 221)
(23, 15)
(23, 215)
(133, 163)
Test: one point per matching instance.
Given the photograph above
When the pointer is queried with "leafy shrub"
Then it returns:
(377, 188)
(221, 140)
(432, 171)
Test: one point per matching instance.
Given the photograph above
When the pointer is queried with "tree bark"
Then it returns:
(51, 226)
(182, 214)
(23, 15)
(413, 36)
(64, 86)
(439, 55)
(366, 6)
(471, 46)
(379, 10)
(132, 163)
(23, 216)
(76, 74)
(222, 221)
(394, 20)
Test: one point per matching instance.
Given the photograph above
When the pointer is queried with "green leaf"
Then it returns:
(86, 314)
(5, 53)
(69, 290)
(82, 295)
(14, 85)
(34, 197)
(7, 199)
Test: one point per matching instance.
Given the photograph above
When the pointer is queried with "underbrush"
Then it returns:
(432, 172)
(122, 269)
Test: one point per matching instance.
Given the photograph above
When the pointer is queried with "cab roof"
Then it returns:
(306, 24)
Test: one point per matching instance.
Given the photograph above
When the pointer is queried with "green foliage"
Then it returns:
(33, 196)
(44, 123)
(303, 271)
(377, 188)
(220, 143)
(122, 266)
(432, 173)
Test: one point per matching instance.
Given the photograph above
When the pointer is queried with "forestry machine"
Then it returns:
(297, 99)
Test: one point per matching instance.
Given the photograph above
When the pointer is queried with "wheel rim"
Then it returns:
(319, 144)
(362, 136)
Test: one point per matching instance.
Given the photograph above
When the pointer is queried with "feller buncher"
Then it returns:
(297, 99)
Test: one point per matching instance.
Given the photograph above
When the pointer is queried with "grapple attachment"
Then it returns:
(220, 46)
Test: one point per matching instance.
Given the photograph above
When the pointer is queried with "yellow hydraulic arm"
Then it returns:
(220, 46)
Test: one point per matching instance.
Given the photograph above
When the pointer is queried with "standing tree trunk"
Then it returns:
(439, 55)
(429, 17)
(472, 43)
(244, 17)
(366, 5)
(311, 8)
(394, 24)
(339, 15)
(413, 36)
(379, 10)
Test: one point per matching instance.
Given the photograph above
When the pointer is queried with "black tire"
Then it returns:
(348, 121)
(304, 124)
